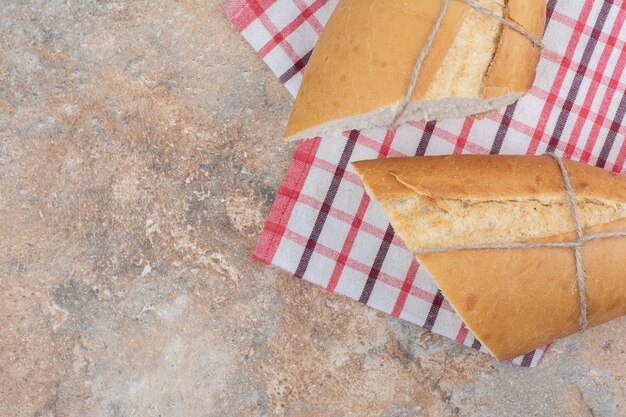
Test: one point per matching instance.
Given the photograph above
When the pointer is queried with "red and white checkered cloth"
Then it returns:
(323, 227)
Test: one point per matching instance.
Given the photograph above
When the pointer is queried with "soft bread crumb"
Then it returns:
(457, 222)
(464, 68)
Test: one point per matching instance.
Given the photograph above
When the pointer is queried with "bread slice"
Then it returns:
(517, 299)
(361, 67)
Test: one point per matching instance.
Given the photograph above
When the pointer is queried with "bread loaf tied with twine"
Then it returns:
(381, 64)
(528, 249)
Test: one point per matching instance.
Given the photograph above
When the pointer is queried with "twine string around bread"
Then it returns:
(420, 61)
(578, 249)
(577, 244)
(431, 38)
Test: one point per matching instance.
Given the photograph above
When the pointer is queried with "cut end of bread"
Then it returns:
(378, 118)
(464, 68)
(455, 107)
(437, 109)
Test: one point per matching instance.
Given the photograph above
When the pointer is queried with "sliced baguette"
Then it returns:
(361, 67)
(517, 299)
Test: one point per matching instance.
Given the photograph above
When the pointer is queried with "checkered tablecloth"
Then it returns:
(323, 227)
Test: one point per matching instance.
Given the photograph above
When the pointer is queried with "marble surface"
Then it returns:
(139, 156)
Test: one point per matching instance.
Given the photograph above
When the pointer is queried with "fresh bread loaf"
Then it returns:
(514, 300)
(362, 65)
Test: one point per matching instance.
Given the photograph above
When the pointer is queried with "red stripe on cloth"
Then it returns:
(619, 162)
(595, 83)
(430, 298)
(564, 65)
(347, 218)
(320, 221)
(240, 13)
(286, 198)
(357, 221)
(461, 142)
(462, 334)
(279, 36)
(406, 289)
(308, 12)
(605, 79)
(604, 37)
(349, 242)
(385, 148)
(602, 121)
(601, 118)
(454, 138)
(330, 167)
(358, 266)
(572, 94)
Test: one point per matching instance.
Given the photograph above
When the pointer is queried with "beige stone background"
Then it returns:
(139, 156)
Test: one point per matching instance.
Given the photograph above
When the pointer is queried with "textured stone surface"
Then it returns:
(139, 155)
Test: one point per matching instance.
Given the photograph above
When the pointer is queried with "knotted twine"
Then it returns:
(577, 244)
(431, 38)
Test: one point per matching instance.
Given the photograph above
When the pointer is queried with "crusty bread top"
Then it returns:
(480, 200)
(486, 176)
(366, 54)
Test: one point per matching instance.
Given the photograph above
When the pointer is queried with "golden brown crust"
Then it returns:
(365, 56)
(515, 62)
(514, 300)
(485, 176)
